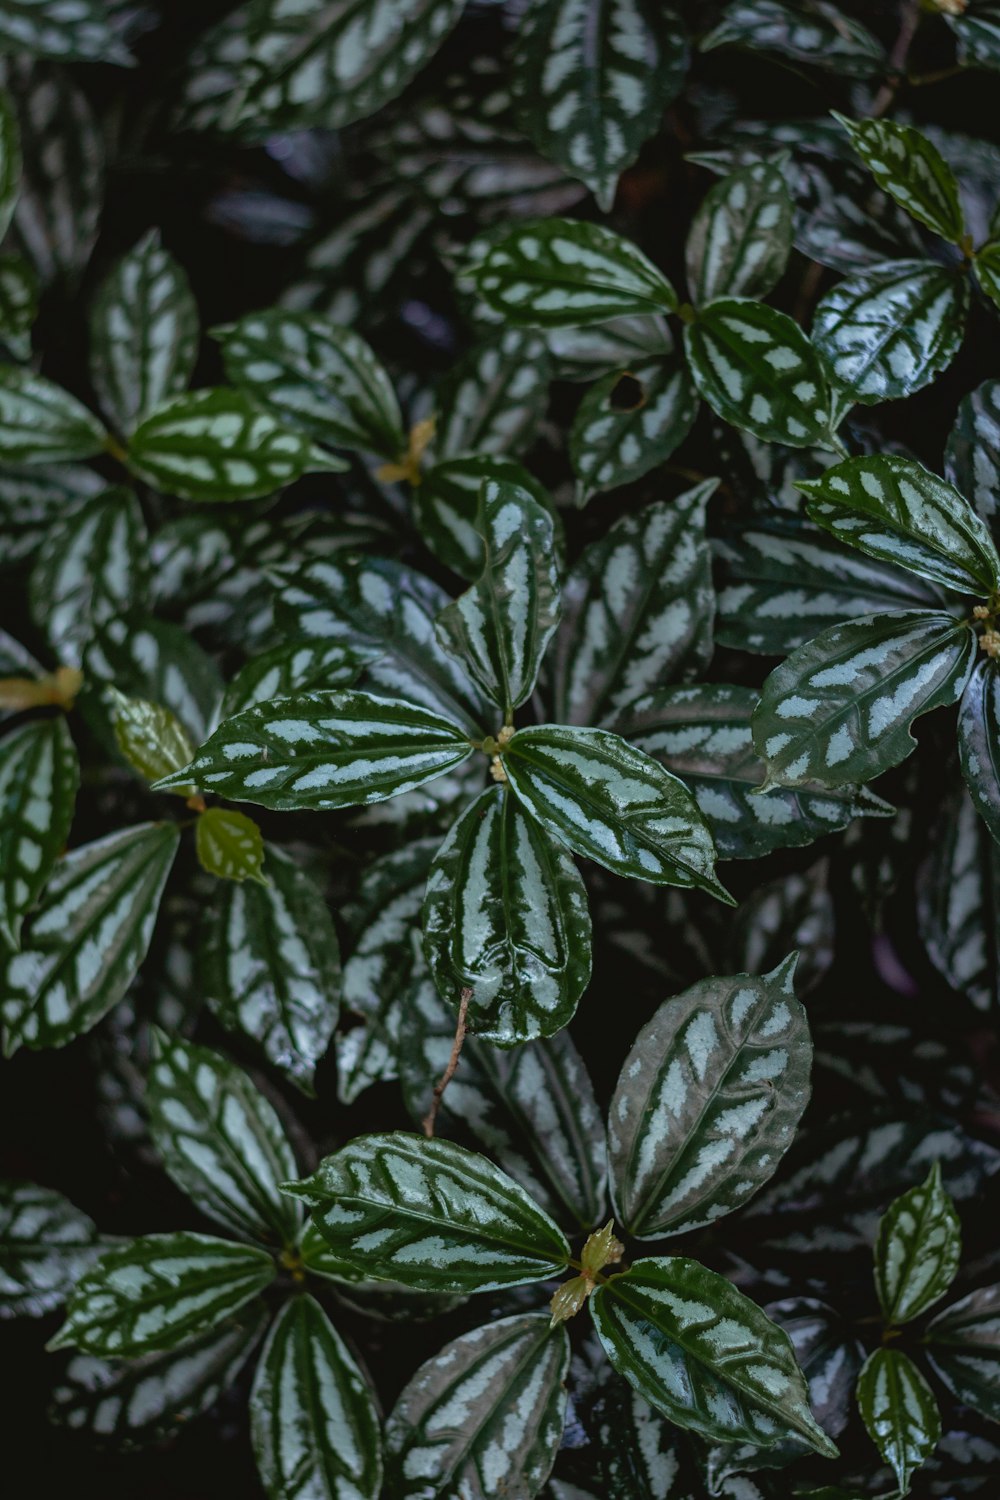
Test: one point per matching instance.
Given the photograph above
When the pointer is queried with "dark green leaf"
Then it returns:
(958, 901)
(987, 264)
(611, 444)
(816, 33)
(741, 236)
(39, 778)
(18, 304)
(979, 742)
(899, 1410)
(492, 400)
(35, 497)
(299, 666)
(978, 33)
(911, 169)
(608, 348)
(972, 458)
(42, 423)
(917, 1251)
(446, 506)
(46, 1244)
(10, 162)
(963, 1343)
(50, 28)
(159, 661)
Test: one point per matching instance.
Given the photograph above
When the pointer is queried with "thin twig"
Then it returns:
(896, 65)
(449, 1072)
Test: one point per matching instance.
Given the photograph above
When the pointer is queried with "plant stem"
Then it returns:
(449, 1072)
(896, 65)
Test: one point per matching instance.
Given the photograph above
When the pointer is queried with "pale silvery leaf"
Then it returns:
(741, 236)
(979, 742)
(431, 1215)
(10, 163)
(608, 348)
(963, 1343)
(899, 1410)
(972, 458)
(159, 1291)
(918, 1250)
(156, 660)
(46, 1244)
(446, 505)
(39, 778)
(823, 36)
(313, 1419)
(299, 666)
(505, 916)
(629, 423)
(493, 399)
(87, 937)
(839, 709)
(911, 169)
(51, 28)
(483, 1416)
(708, 1101)
(42, 423)
(34, 497)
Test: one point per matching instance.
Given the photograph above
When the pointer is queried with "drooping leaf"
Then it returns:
(229, 845)
(757, 369)
(446, 506)
(911, 169)
(152, 738)
(702, 1353)
(741, 236)
(629, 423)
(269, 965)
(492, 400)
(888, 331)
(486, 1411)
(839, 709)
(917, 1251)
(143, 334)
(39, 778)
(87, 937)
(979, 742)
(637, 611)
(313, 1420)
(51, 28)
(42, 423)
(611, 803)
(158, 1291)
(963, 1343)
(46, 1243)
(899, 1410)
(820, 35)
(896, 511)
(431, 1215)
(299, 666)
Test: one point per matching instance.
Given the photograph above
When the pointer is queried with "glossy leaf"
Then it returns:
(487, 1411)
(823, 36)
(229, 845)
(741, 236)
(87, 937)
(957, 905)
(979, 742)
(972, 458)
(46, 1244)
(917, 1251)
(42, 423)
(446, 505)
(613, 804)
(702, 1353)
(39, 778)
(911, 169)
(431, 1215)
(608, 348)
(299, 666)
(151, 738)
(899, 1410)
(157, 1292)
(839, 709)
(629, 423)
(493, 399)
(49, 28)
(963, 1343)
(156, 660)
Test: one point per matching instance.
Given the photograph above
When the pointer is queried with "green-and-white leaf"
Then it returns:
(501, 626)
(484, 1416)
(972, 457)
(81, 32)
(269, 965)
(608, 348)
(888, 331)
(822, 37)
(216, 444)
(977, 31)
(493, 399)
(963, 1343)
(757, 369)
(10, 163)
(702, 734)
(637, 611)
(316, 377)
(741, 235)
(46, 1244)
(159, 661)
(563, 273)
(630, 422)
(88, 936)
(221, 1141)
(143, 333)
(592, 79)
(895, 510)
(159, 1291)
(446, 506)
(313, 1419)
(611, 803)
(987, 263)
(957, 901)
(917, 1251)
(42, 423)
(505, 916)
(839, 709)
(899, 1410)
(708, 1101)
(431, 1215)
(298, 666)
(911, 169)
(324, 750)
(18, 305)
(979, 742)
(229, 845)
(706, 1356)
(39, 777)
(152, 738)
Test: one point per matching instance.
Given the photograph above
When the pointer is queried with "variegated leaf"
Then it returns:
(446, 507)
(708, 1101)
(911, 169)
(505, 917)
(159, 661)
(899, 1410)
(492, 400)
(637, 611)
(42, 423)
(431, 1215)
(229, 845)
(501, 626)
(611, 803)
(315, 377)
(592, 79)
(322, 751)
(757, 369)
(313, 1419)
(918, 1250)
(216, 444)
(34, 497)
(629, 423)
(10, 162)
(143, 333)
(380, 606)
(159, 1291)
(608, 348)
(888, 331)
(957, 901)
(482, 1417)
(563, 273)
(18, 305)
(298, 666)
(963, 1343)
(152, 739)
(46, 1244)
(987, 263)
(51, 28)
(269, 965)
(839, 709)
(972, 458)
(706, 1356)
(88, 936)
(822, 36)
(702, 734)
(39, 778)
(979, 742)
(220, 1140)
(896, 511)
(977, 30)
(741, 236)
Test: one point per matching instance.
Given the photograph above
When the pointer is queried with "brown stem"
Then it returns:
(896, 64)
(449, 1072)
